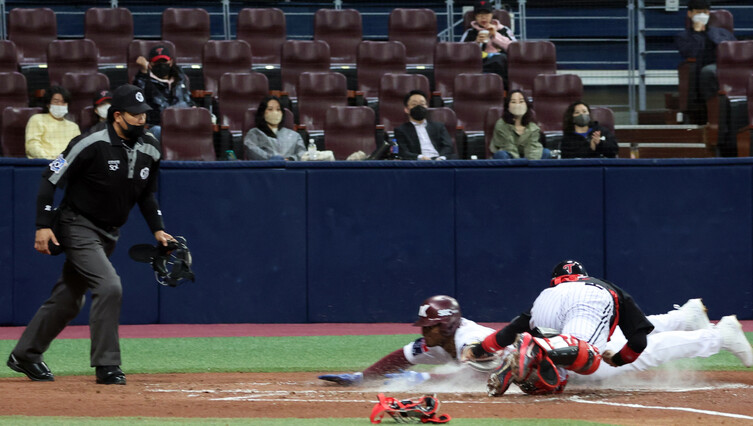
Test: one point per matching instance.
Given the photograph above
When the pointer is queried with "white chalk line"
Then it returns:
(654, 407)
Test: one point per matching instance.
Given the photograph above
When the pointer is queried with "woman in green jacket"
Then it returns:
(515, 134)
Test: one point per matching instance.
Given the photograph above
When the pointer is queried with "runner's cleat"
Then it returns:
(695, 317)
(734, 340)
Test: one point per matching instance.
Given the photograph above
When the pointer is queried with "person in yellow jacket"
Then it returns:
(48, 133)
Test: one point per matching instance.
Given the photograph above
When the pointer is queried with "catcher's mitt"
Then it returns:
(406, 411)
(171, 263)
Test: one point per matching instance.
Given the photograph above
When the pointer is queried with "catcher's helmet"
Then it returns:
(568, 270)
(171, 263)
(443, 310)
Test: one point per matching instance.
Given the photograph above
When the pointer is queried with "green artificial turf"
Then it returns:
(260, 354)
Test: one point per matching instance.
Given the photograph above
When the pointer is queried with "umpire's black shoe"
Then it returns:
(37, 371)
(110, 375)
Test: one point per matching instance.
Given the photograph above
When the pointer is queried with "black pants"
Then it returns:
(87, 267)
(496, 64)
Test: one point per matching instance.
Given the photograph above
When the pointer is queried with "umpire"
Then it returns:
(104, 174)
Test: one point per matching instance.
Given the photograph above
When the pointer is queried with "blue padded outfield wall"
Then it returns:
(277, 242)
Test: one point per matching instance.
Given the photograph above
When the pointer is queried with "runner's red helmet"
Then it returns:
(568, 270)
(441, 309)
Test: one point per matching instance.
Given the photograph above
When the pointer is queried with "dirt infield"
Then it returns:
(709, 398)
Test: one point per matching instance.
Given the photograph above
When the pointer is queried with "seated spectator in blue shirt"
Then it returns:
(583, 138)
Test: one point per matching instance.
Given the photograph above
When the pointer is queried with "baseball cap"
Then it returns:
(482, 6)
(102, 96)
(130, 99)
(159, 52)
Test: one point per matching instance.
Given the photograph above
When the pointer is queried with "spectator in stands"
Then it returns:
(515, 134)
(583, 138)
(492, 36)
(164, 84)
(270, 139)
(419, 138)
(48, 133)
(101, 104)
(700, 42)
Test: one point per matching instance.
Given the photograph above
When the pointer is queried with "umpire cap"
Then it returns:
(130, 99)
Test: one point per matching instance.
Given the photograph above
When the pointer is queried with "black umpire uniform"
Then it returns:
(104, 174)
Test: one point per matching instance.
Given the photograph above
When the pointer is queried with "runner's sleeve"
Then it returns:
(391, 363)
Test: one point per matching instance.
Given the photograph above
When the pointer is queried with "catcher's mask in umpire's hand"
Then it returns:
(171, 263)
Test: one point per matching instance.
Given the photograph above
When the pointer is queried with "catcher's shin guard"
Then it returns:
(544, 379)
(572, 353)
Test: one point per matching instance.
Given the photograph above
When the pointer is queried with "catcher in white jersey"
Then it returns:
(682, 333)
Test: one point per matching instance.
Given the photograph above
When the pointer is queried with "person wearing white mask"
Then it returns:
(101, 104)
(270, 139)
(699, 40)
(515, 134)
(48, 133)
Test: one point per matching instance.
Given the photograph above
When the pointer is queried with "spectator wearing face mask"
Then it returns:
(419, 138)
(164, 85)
(583, 138)
(699, 41)
(48, 133)
(492, 37)
(515, 134)
(270, 139)
(101, 103)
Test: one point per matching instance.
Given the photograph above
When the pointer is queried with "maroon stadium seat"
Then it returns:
(223, 56)
(264, 30)
(188, 29)
(300, 56)
(342, 29)
(8, 56)
(526, 60)
(237, 93)
(552, 94)
(13, 136)
(417, 30)
(392, 90)
(187, 134)
(451, 59)
(32, 30)
(376, 58)
(474, 95)
(348, 129)
(317, 91)
(111, 29)
(83, 87)
(64, 56)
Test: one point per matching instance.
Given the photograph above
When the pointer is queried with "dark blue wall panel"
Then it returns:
(6, 245)
(380, 242)
(515, 224)
(675, 233)
(247, 232)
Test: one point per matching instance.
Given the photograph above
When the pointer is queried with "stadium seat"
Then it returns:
(317, 91)
(224, 56)
(552, 94)
(8, 56)
(83, 87)
(187, 134)
(300, 56)
(501, 15)
(111, 29)
(745, 138)
(87, 118)
(474, 95)
(526, 60)
(734, 64)
(264, 30)
(237, 93)
(138, 48)
(13, 90)
(64, 56)
(249, 120)
(490, 120)
(451, 59)
(188, 29)
(32, 30)
(447, 116)
(375, 59)
(690, 102)
(392, 90)
(417, 30)
(13, 136)
(605, 117)
(348, 129)
(342, 29)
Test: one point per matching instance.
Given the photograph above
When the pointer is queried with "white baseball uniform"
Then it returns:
(468, 332)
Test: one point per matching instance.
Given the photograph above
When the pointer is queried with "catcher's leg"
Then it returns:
(501, 378)
(562, 350)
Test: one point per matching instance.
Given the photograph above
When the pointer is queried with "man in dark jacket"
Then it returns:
(699, 41)
(164, 84)
(419, 138)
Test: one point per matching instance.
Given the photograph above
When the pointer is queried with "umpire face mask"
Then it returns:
(130, 131)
